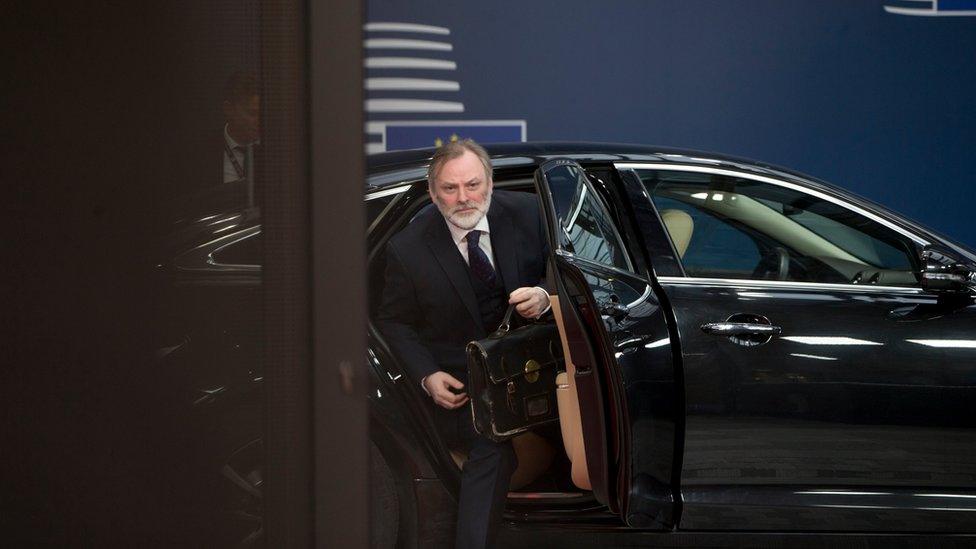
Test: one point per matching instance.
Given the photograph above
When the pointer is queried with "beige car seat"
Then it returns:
(534, 453)
(567, 399)
(680, 225)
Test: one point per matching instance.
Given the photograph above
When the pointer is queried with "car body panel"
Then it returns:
(856, 407)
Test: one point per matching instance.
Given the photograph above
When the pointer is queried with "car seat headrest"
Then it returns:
(680, 225)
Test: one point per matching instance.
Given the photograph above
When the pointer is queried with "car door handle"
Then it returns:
(740, 328)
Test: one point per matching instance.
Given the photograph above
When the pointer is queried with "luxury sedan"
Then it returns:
(745, 349)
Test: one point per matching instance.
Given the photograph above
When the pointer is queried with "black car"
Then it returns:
(747, 349)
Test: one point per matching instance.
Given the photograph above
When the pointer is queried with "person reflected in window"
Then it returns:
(450, 276)
(242, 126)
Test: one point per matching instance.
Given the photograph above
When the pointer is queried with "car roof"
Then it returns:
(394, 167)
(532, 153)
(397, 167)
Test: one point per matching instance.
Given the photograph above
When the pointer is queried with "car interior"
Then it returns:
(551, 463)
(798, 252)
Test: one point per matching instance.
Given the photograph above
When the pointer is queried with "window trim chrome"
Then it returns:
(596, 264)
(200, 258)
(786, 284)
(252, 232)
(396, 189)
(642, 299)
(603, 211)
(773, 181)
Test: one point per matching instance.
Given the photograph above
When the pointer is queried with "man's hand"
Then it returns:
(439, 385)
(529, 302)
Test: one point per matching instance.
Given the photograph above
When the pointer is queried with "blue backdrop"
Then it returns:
(878, 101)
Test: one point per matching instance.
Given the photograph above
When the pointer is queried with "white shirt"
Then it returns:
(460, 237)
(240, 152)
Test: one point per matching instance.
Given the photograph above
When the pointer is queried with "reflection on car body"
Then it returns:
(853, 415)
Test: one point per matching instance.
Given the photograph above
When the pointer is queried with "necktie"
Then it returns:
(231, 153)
(478, 260)
(245, 168)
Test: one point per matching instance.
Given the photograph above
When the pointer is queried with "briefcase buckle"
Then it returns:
(532, 371)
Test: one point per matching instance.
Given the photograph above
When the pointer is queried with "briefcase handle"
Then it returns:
(506, 324)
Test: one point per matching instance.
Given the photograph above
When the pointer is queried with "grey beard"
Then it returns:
(468, 225)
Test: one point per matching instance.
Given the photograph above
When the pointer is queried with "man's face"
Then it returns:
(243, 119)
(461, 191)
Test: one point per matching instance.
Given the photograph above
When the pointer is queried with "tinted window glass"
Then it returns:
(584, 223)
(721, 249)
(728, 227)
(375, 206)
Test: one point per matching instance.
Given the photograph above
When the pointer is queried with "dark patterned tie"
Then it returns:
(239, 167)
(478, 260)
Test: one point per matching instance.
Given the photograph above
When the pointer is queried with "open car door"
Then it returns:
(618, 403)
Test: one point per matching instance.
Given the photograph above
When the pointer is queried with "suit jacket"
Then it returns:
(429, 311)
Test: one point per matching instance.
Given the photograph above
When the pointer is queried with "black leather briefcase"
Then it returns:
(512, 378)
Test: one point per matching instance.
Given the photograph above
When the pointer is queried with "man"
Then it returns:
(242, 130)
(450, 277)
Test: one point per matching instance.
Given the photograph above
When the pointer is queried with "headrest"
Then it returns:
(680, 226)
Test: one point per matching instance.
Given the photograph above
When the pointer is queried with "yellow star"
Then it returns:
(438, 142)
(454, 138)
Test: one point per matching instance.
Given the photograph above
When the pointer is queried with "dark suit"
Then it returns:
(430, 311)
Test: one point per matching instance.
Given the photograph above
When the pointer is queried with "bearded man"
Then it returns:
(450, 276)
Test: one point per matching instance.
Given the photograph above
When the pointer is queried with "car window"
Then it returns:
(375, 206)
(585, 225)
(721, 249)
(727, 227)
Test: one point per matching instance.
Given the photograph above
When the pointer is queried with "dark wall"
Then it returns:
(103, 127)
(877, 102)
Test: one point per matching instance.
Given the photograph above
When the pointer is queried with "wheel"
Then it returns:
(774, 265)
(225, 488)
(242, 495)
(782, 264)
(240, 503)
(231, 507)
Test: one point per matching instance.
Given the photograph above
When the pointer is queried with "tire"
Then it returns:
(242, 476)
(234, 489)
(227, 499)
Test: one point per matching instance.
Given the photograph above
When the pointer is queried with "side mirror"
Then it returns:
(942, 271)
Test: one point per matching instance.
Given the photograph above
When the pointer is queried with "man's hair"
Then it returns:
(456, 149)
(240, 86)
